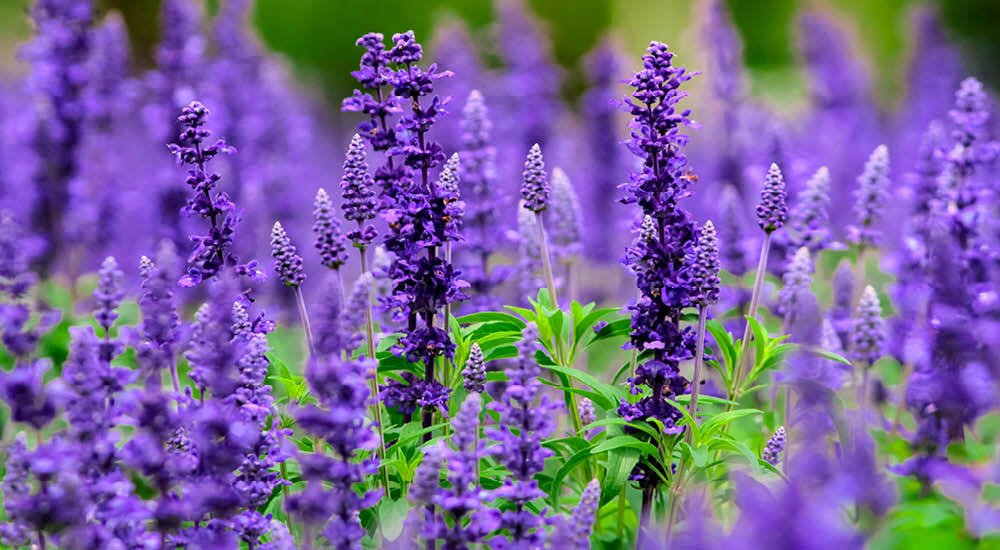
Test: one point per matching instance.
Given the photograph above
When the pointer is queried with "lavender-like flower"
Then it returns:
(329, 241)
(479, 181)
(108, 294)
(868, 331)
(797, 279)
(357, 187)
(772, 210)
(565, 227)
(525, 420)
(775, 446)
(159, 319)
(809, 218)
(287, 262)
(574, 532)
(871, 197)
(213, 251)
(353, 317)
(535, 188)
(843, 298)
(587, 413)
(474, 374)
(705, 270)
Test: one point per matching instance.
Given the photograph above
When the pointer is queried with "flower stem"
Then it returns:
(699, 361)
(304, 315)
(647, 507)
(758, 284)
(374, 381)
(546, 261)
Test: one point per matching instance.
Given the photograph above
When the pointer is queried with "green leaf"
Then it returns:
(614, 421)
(619, 468)
(490, 317)
(391, 514)
(577, 459)
(760, 340)
(586, 324)
(609, 393)
(716, 422)
(832, 356)
(627, 442)
(614, 329)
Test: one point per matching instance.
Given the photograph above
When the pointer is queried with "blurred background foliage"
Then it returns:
(317, 36)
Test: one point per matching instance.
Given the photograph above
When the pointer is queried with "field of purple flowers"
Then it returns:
(491, 319)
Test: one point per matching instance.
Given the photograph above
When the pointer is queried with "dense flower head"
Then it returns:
(871, 196)
(535, 188)
(573, 533)
(474, 374)
(809, 218)
(772, 210)
(159, 315)
(525, 420)
(565, 228)
(705, 272)
(328, 239)
(353, 316)
(357, 188)
(287, 262)
(775, 446)
(868, 332)
(970, 118)
(797, 279)
(588, 415)
(109, 293)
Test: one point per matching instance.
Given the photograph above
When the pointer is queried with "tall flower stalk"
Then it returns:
(772, 212)
(706, 277)
(535, 194)
(288, 265)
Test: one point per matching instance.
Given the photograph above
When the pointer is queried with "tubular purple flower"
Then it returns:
(871, 197)
(775, 446)
(359, 201)
(535, 188)
(108, 294)
(797, 279)
(772, 210)
(809, 218)
(565, 218)
(474, 374)
(287, 262)
(705, 270)
(574, 532)
(329, 241)
(526, 418)
(868, 331)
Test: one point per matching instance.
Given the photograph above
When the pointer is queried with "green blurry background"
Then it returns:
(317, 35)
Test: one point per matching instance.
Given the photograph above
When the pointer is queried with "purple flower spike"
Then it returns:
(775, 446)
(705, 271)
(772, 211)
(797, 279)
(474, 374)
(108, 294)
(535, 189)
(809, 217)
(871, 197)
(868, 332)
(329, 240)
(587, 413)
(573, 533)
(287, 262)
(357, 187)
(526, 419)
(566, 217)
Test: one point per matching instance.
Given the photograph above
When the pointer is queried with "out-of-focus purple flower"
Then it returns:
(843, 297)
(871, 197)
(868, 332)
(772, 210)
(565, 227)
(809, 218)
(525, 420)
(705, 270)
(797, 279)
(59, 56)
(474, 374)
(357, 188)
(604, 68)
(159, 317)
(587, 413)
(535, 188)
(287, 262)
(108, 294)
(573, 533)
(352, 318)
(329, 241)
(25, 392)
(775, 446)
(479, 187)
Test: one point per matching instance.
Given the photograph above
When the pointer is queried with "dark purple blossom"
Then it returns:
(329, 240)
(474, 374)
(772, 210)
(705, 270)
(357, 188)
(287, 262)
(535, 188)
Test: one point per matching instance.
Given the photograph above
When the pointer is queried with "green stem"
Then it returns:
(699, 361)
(304, 315)
(758, 284)
(546, 261)
(374, 383)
